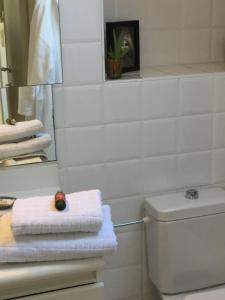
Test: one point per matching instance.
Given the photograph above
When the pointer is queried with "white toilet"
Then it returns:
(186, 244)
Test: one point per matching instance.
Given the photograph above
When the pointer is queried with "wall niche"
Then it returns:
(175, 32)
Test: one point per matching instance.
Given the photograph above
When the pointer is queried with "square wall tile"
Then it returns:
(122, 283)
(150, 291)
(121, 102)
(82, 105)
(159, 174)
(122, 141)
(218, 166)
(218, 12)
(219, 94)
(127, 209)
(61, 147)
(63, 179)
(58, 100)
(160, 47)
(130, 9)
(196, 95)
(144, 50)
(195, 169)
(160, 137)
(82, 63)
(195, 46)
(109, 10)
(195, 133)
(124, 258)
(74, 25)
(164, 14)
(218, 44)
(84, 145)
(86, 178)
(122, 179)
(160, 98)
(196, 13)
(219, 130)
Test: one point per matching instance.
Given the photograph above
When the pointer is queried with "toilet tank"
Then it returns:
(186, 240)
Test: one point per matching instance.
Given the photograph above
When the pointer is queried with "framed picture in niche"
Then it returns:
(129, 31)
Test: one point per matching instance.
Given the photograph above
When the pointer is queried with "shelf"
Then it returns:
(186, 70)
(181, 70)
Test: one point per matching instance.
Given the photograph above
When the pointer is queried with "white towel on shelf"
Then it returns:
(38, 215)
(52, 247)
(29, 146)
(11, 133)
(35, 157)
(41, 154)
(22, 161)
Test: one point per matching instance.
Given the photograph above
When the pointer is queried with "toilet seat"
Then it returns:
(217, 293)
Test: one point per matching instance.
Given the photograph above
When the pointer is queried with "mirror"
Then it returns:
(30, 48)
(26, 125)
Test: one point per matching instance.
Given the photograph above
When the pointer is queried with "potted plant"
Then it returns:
(114, 62)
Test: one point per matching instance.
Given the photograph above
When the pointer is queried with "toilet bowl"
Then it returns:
(186, 244)
(217, 293)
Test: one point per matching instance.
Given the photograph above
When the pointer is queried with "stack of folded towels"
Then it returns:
(23, 140)
(36, 231)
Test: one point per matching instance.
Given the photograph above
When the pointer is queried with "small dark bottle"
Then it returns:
(60, 201)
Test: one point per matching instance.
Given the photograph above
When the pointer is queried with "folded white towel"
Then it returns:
(38, 215)
(31, 158)
(29, 146)
(51, 247)
(9, 133)
(41, 154)
(17, 162)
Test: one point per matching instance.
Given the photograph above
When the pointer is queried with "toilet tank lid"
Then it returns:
(175, 206)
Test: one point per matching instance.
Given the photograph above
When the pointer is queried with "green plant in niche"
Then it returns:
(118, 51)
(114, 62)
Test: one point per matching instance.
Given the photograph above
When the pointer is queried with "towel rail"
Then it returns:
(145, 220)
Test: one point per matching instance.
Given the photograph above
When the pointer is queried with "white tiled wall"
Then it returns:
(132, 138)
(175, 31)
(132, 149)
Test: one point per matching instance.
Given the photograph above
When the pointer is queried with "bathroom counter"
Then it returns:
(18, 280)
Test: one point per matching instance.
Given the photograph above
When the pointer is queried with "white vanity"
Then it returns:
(77, 279)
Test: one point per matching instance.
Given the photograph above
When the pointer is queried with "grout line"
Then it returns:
(141, 137)
(213, 131)
(165, 76)
(211, 29)
(80, 41)
(136, 159)
(180, 116)
(135, 121)
(181, 28)
(116, 9)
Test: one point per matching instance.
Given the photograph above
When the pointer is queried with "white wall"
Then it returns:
(175, 31)
(131, 138)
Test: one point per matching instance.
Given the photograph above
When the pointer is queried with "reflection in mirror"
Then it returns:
(26, 125)
(30, 48)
